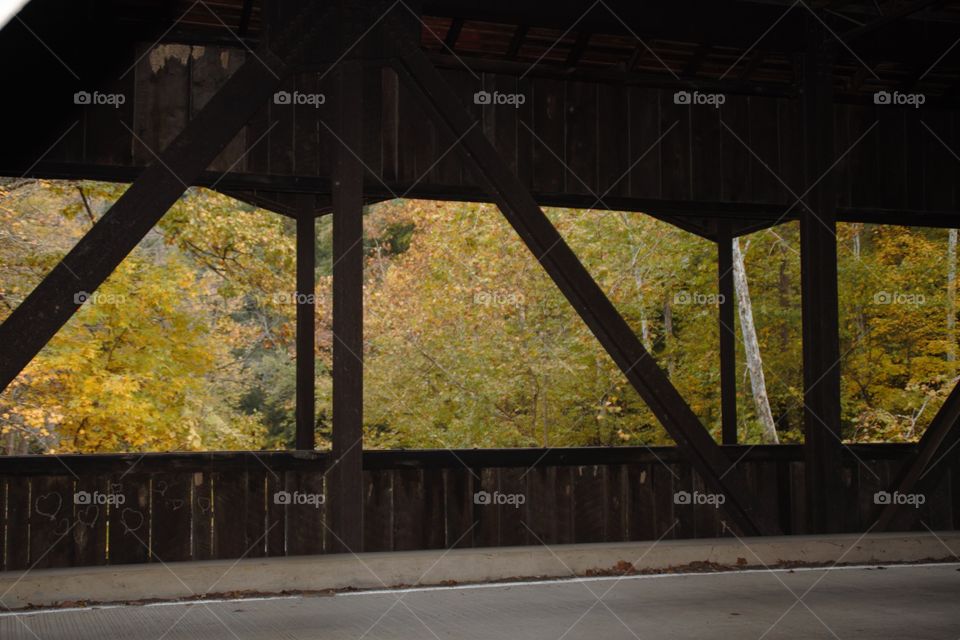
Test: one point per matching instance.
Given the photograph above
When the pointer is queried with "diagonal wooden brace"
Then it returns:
(48, 307)
(922, 472)
(540, 236)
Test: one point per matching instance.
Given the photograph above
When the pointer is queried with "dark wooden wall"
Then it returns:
(570, 142)
(182, 507)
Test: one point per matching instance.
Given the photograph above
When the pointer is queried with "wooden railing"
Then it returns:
(85, 510)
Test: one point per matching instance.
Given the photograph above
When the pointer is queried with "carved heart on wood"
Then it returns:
(63, 527)
(48, 505)
(89, 515)
(131, 519)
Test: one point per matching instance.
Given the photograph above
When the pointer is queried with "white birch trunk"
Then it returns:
(752, 348)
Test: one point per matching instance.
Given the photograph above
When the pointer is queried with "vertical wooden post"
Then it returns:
(347, 475)
(306, 310)
(728, 338)
(818, 279)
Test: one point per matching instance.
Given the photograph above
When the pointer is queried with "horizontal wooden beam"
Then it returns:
(523, 458)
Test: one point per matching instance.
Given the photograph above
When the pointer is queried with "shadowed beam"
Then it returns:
(306, 314)
(922, 472)
(517, 41)
(728, 340)
(819, 301)
(903, 11)
(346, 476)
(453, 33)
(559, 261)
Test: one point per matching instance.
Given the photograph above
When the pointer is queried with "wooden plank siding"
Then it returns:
(570, 142)
(181, 507)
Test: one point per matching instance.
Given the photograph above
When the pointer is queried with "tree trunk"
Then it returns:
(752, 348)
(668, 335)
(952, 296)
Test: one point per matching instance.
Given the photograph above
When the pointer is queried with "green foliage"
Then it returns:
(189, 344)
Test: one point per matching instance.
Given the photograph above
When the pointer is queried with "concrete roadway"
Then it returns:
(916, 602)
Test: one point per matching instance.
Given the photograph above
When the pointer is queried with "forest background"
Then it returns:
(189, 345)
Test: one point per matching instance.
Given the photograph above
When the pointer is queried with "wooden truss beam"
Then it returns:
(728, 338)
(921, 473)
(903, 11)
(575, 282)
(516, 41)
(113, 237)
(306, 314)
(819, 303)
(347, 473)
(453, 33)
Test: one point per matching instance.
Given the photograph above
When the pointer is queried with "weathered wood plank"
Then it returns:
(513, 513)
(736, 161)
(765, 170)
(256, 507)
(613, 148)
(18, 508)
(684, 513)
(665, 485)
(163, 96)
(378, 510)
(615, 503)
(307, 114)
(276, 522)
(588, 502)
(282, 128)
(107, 140)
(486, 513)
(580, 140)
(171, 520)
(893, 159)
(229, 514)
(434, 525)
(372, 119)
(706, 517)
(706, 148)
(548, 126)
(305, 523)
(52, 522)
(641, 508)
(500, 120)
(865, 188)
(409, 509)
(202, 515)
(675, 155)
(459, 507)
(90, 517)
(564, 513)
(3, 523)
(130, 522)
(390, 124)
(645, 150)
(541, 504)
(941, 164)
(210, 68)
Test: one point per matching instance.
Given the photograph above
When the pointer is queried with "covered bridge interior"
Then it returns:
(719, 117)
